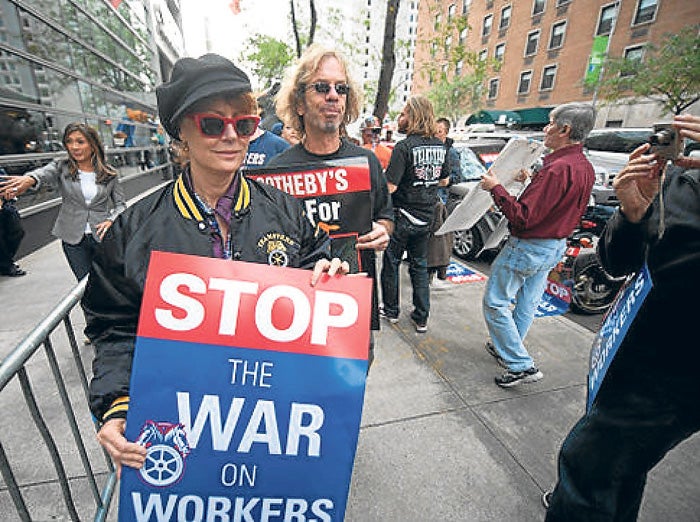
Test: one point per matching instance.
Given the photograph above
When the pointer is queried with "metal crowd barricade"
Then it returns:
(15, 366)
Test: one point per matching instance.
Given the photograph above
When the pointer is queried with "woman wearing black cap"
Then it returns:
(210, 210)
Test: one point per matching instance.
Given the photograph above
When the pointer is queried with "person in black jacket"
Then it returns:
(648, 401)
(11, 234)
(211, 210)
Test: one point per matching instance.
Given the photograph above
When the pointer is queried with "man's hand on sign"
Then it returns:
(111, 436)
(377, 239)
(489, 180)
(331, 267)
(522, 175)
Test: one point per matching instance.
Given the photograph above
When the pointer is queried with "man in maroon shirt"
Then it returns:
(539, 221)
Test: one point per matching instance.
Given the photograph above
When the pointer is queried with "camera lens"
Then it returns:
(663, 137)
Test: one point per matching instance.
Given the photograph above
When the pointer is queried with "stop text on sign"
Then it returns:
(186, 312)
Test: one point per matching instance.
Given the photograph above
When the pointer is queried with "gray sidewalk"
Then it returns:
(439, 440)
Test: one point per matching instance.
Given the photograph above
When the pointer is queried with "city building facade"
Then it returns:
(546, 49)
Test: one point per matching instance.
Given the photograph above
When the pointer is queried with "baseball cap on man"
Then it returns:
(194, 79)
(370, 122)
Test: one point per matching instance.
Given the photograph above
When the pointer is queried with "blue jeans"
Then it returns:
(520, 271)
(80, 256)
(414, 240)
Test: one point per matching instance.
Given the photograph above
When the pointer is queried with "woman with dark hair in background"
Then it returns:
(90, 191)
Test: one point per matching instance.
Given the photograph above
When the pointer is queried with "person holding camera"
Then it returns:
(647, 403)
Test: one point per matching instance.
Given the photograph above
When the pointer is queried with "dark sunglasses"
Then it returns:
(213, 125)
(342, 89)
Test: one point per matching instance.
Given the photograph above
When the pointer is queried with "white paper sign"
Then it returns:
(519, 153)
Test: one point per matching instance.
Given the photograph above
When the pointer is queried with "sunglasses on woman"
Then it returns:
(342, 89)
(213, 125)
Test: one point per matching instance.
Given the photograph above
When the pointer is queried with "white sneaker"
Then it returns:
(440, 284)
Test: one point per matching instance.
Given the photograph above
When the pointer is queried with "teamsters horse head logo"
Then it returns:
(166, 449)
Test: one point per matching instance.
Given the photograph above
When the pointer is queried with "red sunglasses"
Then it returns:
(213, 125)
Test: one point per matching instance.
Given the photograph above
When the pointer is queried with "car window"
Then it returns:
(470, 165)
(624, 141)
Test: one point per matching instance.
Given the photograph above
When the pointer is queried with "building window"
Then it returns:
(459, 67)
(451, 11)
(483, 55)
(438, 19)
(463, 36)
(499, 51)
(505, 17)
(562, 2)
(646, 11)
(465, 6)
(548, 74)
(606, 20)
(525, 80)
(533, 40)
(493, 88)
(488, 22)
(633, 56)
(557, 38)
(538, 7)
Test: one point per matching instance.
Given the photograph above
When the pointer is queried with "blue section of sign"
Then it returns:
(615, 325)
(267, 433)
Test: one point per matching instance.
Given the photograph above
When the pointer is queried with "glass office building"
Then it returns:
(68, 60)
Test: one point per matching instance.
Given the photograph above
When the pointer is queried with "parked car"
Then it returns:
(469, 244)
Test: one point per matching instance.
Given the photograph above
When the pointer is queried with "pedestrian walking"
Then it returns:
(539, 220)
(414, 173)
(318, 98)
(647, 403)
(91, 195)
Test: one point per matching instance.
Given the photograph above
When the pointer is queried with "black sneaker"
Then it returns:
(420, 327)
(390, 318)
(510, 378)
(493, 353)
(546, 499)
(13, 271)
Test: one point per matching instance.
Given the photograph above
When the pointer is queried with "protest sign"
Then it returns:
(615, 325)
(556, 298)
(336, 195)
(458, 273)
(519, 153)
(247, 389)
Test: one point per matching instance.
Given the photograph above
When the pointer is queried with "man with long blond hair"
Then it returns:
(318, 98)
(414, 174)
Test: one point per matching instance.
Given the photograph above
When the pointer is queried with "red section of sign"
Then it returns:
(324, 181)
(214, 301)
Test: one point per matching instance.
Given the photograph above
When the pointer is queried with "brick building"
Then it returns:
(546, 48)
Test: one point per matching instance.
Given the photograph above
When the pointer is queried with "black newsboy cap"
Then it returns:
(194, 79)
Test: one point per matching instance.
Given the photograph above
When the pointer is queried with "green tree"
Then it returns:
(456, 74)
(268, 57)
(668, 75)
